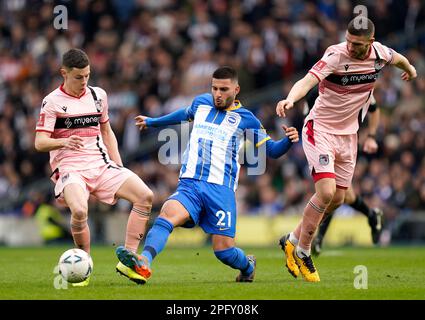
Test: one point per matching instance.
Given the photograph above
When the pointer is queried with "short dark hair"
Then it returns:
(75, 58)
(225, 72)
(354, 29)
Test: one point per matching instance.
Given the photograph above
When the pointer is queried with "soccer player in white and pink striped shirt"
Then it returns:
(74, 127)
(346, 75)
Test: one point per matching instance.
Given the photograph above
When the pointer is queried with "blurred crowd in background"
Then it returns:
(153, 56)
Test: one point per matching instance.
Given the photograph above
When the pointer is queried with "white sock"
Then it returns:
(302, 252)
(293, 239)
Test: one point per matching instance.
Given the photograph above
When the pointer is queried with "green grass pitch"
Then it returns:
(195, 274)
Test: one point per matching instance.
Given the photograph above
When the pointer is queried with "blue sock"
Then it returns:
(235, 258)
(157, 238)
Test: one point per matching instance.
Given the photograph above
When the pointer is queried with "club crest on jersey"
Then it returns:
(65, 177)
(231, 120)
(324, 159)
(379, 64)
(99, 106)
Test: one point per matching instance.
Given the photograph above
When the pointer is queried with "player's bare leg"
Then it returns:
(138, 193)
(173, 214)
(316, 246)
(375, 217)
(327, 197)
(76, 199)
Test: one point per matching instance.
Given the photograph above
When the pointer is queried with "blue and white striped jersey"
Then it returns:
(212, 152)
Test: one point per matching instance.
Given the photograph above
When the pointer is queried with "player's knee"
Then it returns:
(174, 212)
(349, 198)
(338, 198)
(144, 196)
(172, 217)
(222, 242)
(79, 212)
(144, 202)
(326, 196)
(148, 196)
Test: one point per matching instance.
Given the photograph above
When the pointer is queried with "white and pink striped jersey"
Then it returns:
(64, 115)
(346, 87)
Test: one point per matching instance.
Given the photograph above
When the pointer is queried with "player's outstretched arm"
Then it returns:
(176, 117)
(276, 149)
(298, 91)
(44, 143)
(402, 63)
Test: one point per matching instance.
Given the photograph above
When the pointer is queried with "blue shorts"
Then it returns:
(212, 206)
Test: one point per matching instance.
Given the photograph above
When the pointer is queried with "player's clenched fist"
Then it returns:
(73, 142)
(141, 122)
(370, 145)
(291, 133)
(282, 105)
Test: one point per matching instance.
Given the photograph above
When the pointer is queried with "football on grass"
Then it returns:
(75, 265)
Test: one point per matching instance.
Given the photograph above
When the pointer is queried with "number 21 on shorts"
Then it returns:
(222, 217)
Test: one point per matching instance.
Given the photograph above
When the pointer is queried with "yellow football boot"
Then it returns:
(136, 264)
(307, 268)
(289, 250)
(84, 283)
(129, 273)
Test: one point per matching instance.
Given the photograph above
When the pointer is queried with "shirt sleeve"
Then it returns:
(258, 136)
(385, 52)
(105, 107)
(275, 149)
(201, 99)
(327, 65)
(255, 132)
(190, 111)
(47, 118)
(172, 118)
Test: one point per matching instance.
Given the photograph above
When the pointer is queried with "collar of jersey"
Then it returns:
(236, 105)
(68, 94)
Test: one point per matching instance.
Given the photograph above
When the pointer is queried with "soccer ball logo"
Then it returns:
(75, 265)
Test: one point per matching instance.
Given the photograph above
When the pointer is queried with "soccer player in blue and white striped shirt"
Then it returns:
(209, 174)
